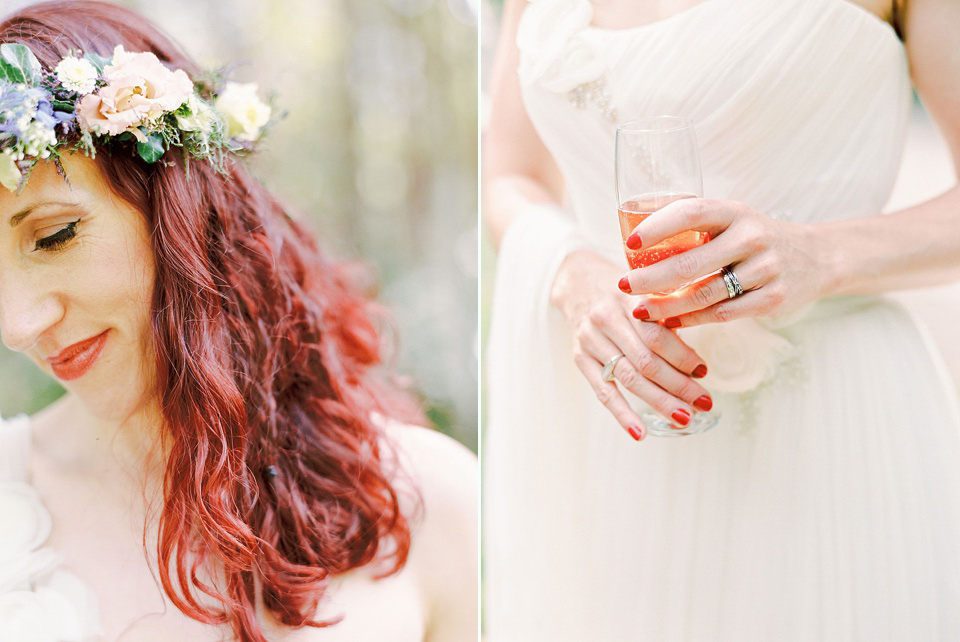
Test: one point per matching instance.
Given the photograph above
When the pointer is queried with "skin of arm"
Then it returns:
(920, 245)
(517, 169)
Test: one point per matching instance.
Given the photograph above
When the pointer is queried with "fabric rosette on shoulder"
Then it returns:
(555, 51)
(38, 601)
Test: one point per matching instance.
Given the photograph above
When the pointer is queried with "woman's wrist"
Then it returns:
(834, 244)
(561, 288)
(572, 280)
(828, 256)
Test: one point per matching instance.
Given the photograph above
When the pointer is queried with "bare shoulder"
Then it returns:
(445, 476)
(441, 466)
(444, 550)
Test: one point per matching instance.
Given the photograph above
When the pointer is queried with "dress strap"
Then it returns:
(14, 448)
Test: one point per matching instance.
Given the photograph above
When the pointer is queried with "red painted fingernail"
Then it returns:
(699, 372)
(635, 433)
(640, 312)
(681, 416)
(624, 285)
(672, 322)
(634, 242)
(703, 403)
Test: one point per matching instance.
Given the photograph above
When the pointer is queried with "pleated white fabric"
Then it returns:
(826, 503)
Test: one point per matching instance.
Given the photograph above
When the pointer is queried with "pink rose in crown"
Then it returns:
(139, 90)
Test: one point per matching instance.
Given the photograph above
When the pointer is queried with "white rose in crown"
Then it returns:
(246, 114)
(740, 354)
(77, 74)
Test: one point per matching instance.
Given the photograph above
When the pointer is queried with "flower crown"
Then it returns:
(90, 100)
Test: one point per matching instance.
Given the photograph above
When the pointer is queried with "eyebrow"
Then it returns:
(16, 219)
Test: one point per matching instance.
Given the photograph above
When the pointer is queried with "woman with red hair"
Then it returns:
(229, 460)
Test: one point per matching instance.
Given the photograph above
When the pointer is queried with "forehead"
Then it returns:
(84, 185)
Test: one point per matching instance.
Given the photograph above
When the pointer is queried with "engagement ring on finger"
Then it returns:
(732, 282)
(607, 373)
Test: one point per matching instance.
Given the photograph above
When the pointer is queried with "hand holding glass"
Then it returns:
(658, 162)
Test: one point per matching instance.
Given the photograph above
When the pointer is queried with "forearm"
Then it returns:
(910, 248)
(507, 195)
(518, 170)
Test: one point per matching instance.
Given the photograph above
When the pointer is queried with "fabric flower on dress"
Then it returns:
(555, 51)
(26, 521)
(43, 615)
(37, 602)
(740, 354)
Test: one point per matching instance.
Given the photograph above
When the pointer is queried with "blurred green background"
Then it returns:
(378, 150)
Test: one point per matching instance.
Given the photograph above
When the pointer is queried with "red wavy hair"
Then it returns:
(266, 370)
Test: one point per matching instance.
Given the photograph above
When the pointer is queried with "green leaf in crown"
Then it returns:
(151, 150)
(97, 61)
(19, 65)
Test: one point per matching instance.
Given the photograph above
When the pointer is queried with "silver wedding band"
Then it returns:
(607, 373)
(730, 279)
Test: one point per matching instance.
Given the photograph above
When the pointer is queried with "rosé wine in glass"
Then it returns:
(635, 210)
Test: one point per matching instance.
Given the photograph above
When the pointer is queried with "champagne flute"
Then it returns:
(658, 162)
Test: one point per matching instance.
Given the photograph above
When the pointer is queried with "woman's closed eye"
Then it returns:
(58, 239)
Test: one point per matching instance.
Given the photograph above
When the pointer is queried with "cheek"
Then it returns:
(120, 283)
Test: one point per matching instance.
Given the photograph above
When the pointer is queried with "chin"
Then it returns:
(114, 395)
(114, 406)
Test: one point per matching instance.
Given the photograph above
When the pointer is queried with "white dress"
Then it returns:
(39, 601)
(826, 503)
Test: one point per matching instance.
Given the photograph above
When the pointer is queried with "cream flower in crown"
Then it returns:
(246, 113)
(202, 118)
(9, 172)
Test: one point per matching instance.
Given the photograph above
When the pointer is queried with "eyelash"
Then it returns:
(58, 239)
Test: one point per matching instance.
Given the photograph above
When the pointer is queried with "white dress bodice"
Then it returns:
(800, 106)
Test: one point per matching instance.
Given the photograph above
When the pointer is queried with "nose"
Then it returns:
(27, 309)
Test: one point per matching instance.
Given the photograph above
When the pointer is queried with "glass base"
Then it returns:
(660, 427)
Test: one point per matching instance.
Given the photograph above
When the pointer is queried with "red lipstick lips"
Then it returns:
(74, 361)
